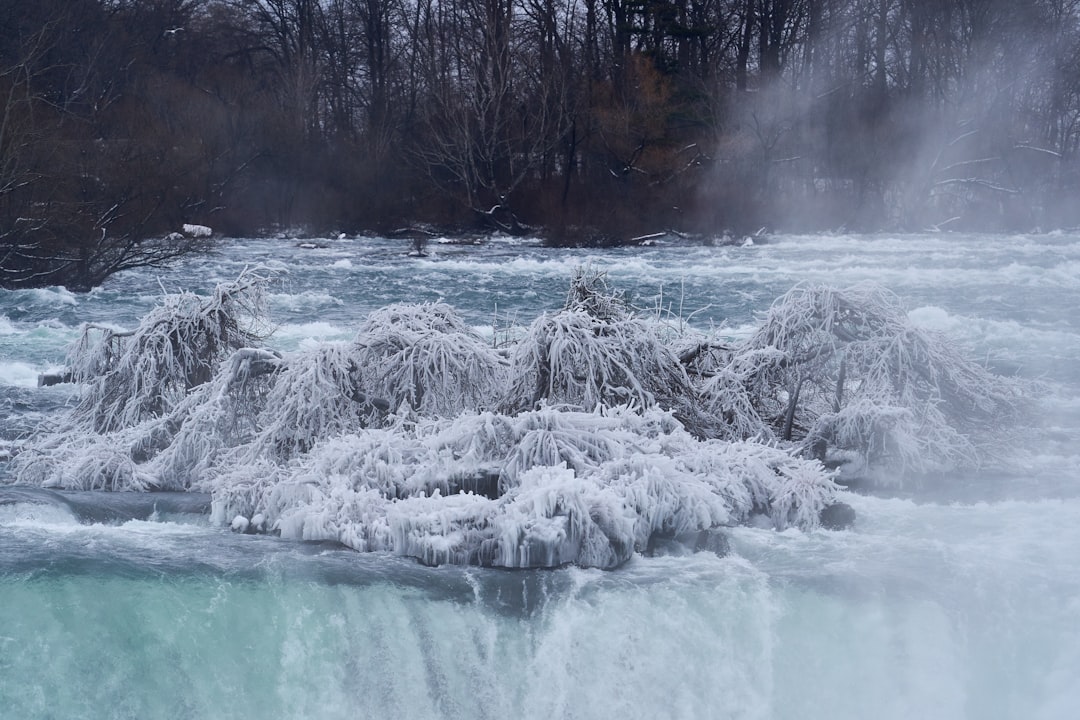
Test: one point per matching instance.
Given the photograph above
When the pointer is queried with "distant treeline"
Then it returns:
(596, 120)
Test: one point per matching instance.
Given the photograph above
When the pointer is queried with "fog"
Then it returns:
(912, 116)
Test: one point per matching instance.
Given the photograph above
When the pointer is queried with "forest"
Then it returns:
(582, 121)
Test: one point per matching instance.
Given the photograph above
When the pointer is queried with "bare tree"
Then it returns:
(491, 118)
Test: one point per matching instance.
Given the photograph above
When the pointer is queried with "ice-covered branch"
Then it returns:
(585, 488)
(131, 376)
(846, 370)
(426, 357)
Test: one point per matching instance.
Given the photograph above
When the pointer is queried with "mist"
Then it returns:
(909, 116)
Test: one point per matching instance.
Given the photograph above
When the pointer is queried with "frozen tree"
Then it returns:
(425, 356)
(315, 396)
(185, 448)
(139, 387)
(591, 293)
(847, 375)
(597, 353)
(733, 387)
(130, 376)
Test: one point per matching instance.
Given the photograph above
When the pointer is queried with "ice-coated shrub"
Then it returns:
(737, 393)
(425, 356)
(215, 418)
(315, 395)
(574, 359)
(84, 462)
(128, 377)
(633, 475)
(590, 293)
(846, 374)
(596, 352)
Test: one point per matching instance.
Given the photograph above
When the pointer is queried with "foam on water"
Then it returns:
(52, 296)
(1043, 349)
(294, 333)
(935, 318)
(23, 515)
(18, 374)
(306, 300)
(946, 611)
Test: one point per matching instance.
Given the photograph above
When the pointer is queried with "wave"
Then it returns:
(304, 300)
(294, 333)
(22, 506)
(52, 296)
(18, 374)
(93, 507)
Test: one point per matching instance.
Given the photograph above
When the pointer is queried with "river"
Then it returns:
(957, 599)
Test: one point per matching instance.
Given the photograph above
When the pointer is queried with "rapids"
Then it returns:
(958, 597)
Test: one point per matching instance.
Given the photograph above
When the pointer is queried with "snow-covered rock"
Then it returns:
(197, 230)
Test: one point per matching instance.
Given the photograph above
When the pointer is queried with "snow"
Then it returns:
(197, 230)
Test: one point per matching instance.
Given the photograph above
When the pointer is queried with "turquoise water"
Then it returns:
(951, 600)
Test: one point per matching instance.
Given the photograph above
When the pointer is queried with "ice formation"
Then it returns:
(590, 438)
(847, 376)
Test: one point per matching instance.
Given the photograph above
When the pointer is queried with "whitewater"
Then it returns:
(956, 596)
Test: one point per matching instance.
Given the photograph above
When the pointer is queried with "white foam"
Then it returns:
(1037, 348)
(933, 318)
(738, 332)
(487, 332)
(304, 300)
(308, 336)
(317, 329)
(54, 296)
(35, 515)
(275, 265)
(18, 374)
